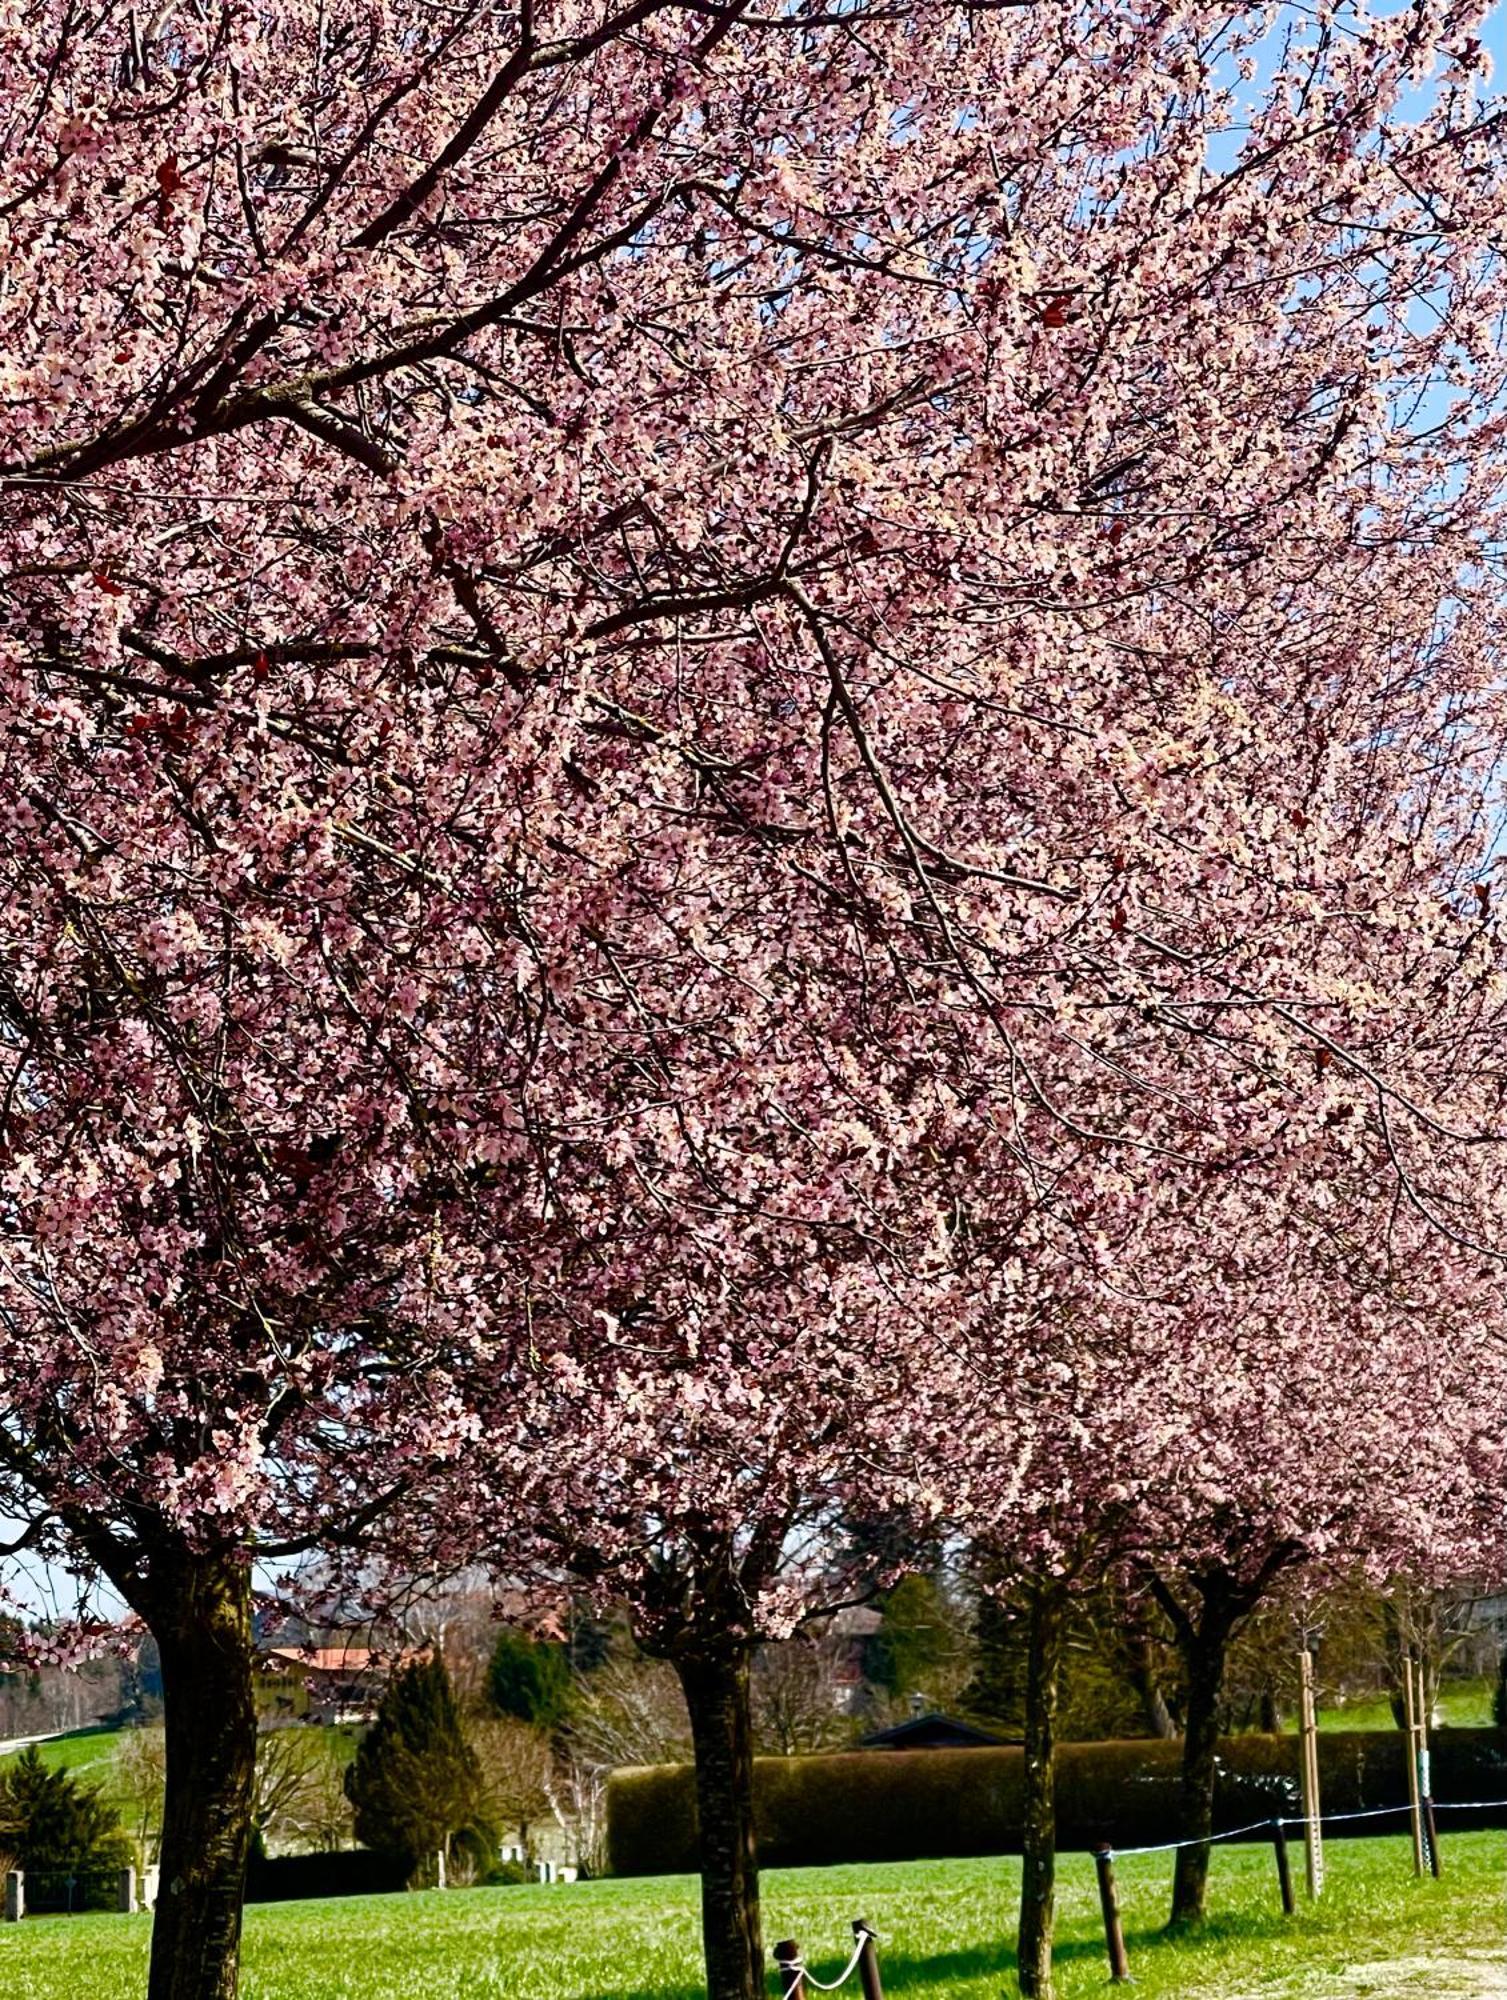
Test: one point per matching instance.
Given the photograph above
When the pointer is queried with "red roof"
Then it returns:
(320, 1659)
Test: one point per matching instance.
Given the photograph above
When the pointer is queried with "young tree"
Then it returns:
(138, 1781)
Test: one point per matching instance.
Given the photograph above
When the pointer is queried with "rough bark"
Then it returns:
(1142, 1674)
(716, 1693)
(201, 1620)
(1038, 1882)
(1205, 1652)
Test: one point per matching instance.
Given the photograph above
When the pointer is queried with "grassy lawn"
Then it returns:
(1462, 1705)
(88, 1751)
(944, 1926)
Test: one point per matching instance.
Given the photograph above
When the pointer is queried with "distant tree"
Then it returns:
(631, 1712)
(529, 1679)
(138, 1782)
(415, 1783)
(919, 1640)
(299, 1800)
(794, 1691)
(52, 1823)
(517, 1767)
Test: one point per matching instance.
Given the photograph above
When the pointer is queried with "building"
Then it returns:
(930, 1732)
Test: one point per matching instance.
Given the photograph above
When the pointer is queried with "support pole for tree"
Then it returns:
(868, 1960)
(1284, 1868)
(1415, 1795)
(1308, 1733)
(787, 1957)
(1109, 1904)
(15, 1895)
(1425, 1780)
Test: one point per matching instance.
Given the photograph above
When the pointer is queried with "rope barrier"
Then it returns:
(798, 1970)
(801, 1976)
(1171, 1846)
(1325, 1820)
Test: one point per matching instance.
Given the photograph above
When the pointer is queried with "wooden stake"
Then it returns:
(1284, 1868)
(1425, 1781)
(1415, 1800)
(1109, 1904)
(868, 1961)
(787, 1956)
(1308, 1777)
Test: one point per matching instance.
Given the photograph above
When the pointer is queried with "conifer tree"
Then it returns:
(529, 1679)
(58, 1830)
(415, 1783)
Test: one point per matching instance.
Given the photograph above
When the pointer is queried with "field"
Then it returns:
(944, 1927)
(1464, 1704)
(89, 1752)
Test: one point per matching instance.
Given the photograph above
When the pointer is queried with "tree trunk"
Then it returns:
(1205, 1653)
(1141, 1668)
(1038, 1869)
(202, 1624)
(716, 1694)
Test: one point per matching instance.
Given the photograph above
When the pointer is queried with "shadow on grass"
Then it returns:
(904, 1973)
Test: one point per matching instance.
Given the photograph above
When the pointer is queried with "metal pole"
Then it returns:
(1109, 1903)
(1284, 1868)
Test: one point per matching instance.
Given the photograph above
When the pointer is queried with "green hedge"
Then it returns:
(907, 1805)
(349, 1871)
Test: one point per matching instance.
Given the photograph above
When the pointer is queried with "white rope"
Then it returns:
(1326, 1819)
(1171, 1846)
(797, 1968)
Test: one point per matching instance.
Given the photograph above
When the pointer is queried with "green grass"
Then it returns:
(1462, 1705)
(90, 1750)
(945, 1928)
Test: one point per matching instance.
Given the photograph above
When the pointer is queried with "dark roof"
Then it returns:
(930, 1732)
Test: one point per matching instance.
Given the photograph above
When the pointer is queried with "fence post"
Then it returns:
(125, 1894)
(1109, 1903)
(787, 1956)
(15, 1895)
(868, 1960)
(1284, 1867)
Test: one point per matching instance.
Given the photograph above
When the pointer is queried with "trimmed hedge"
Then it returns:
(911, 1805)
(350, 1871)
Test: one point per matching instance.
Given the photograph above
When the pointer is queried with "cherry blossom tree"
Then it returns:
(223, 1296)
(943, 533)
(1352, 1421)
